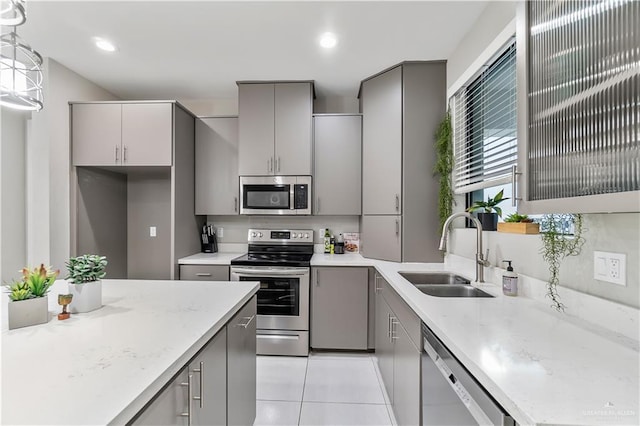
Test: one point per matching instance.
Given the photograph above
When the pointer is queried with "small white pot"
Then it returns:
(87, 297)
(24, 313)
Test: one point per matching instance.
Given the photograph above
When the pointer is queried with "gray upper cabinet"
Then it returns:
(293, 109)
(382, 143)
(256, 129)
(337, 147)
(217, 166)
(96, 131)
(402, 108)
(122, 134)
(275, 128)
(339, 308)
(381, 237)
(147, 134)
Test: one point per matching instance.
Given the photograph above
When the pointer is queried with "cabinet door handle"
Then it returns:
(246, 324)
(117, 153)
(278, 164)
(235, 204)
(389, 327)
(514, 185)
(268, 166)
(397, 227)
(317, 278)
(203, 274)
(189, 398)
(393, 329)
(318, 205)
(397, 202)
(200, 371)
(376, 288)
(124, 154)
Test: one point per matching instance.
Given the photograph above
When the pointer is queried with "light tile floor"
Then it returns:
(324, 389)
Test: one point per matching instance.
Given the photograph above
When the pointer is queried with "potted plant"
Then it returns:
(519, 224)
(489, 217)
(85, 282)
(29, 303)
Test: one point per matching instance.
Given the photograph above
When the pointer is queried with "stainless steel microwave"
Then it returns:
(275, 195)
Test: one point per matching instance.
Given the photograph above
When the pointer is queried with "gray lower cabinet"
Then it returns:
(204, 272)
(384, 345)
(397, 355)
(217, 179)
(221, 380)
(381, 237)
(209, 371)
(170, 405)
(339, 308)
(337, 163)
(241, 366)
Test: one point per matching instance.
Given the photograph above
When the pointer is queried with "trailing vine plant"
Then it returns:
(558, 244)
(443, 168)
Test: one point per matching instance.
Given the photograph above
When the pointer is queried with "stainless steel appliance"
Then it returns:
(450, 395)
(280, 260)
(275, 195)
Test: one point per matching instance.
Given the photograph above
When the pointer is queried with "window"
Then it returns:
(484, 126)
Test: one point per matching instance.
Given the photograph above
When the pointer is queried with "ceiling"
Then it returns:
(199, 49)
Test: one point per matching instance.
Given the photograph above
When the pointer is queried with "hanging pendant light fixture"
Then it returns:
(20, 65)
(20, 74)
(12, 13)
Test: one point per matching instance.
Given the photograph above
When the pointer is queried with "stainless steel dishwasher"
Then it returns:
(450, 395)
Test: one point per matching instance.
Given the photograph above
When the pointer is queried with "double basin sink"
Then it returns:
(443, 284)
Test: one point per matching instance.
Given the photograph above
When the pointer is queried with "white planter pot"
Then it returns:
(87, 297)
(28, 312)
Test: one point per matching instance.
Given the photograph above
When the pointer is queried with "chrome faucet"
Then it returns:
(481, 261)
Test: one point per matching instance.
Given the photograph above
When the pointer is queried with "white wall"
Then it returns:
(49, 164)
(13, 230)
(618, 233)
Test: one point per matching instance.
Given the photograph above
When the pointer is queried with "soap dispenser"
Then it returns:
(509, 281)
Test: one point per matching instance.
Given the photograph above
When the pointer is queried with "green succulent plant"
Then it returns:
(19, 290)
(490, 205)
(39, 279)
(86, 268)
(518, 218)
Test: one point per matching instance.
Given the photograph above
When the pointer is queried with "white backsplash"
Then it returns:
(236, 227)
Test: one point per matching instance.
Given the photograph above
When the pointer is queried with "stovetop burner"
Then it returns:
(278, 248)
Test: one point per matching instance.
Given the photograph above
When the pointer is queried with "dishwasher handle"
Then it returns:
(474, 409)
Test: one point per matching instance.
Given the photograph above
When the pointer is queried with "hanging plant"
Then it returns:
(443, 168)
(558, 244)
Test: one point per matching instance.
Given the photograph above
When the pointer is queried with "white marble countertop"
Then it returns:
(220, 258)
(543, 367)
(102, 367)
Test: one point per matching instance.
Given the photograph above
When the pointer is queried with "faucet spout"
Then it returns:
(481, 262)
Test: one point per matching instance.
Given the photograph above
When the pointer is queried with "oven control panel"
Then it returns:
(281, 235)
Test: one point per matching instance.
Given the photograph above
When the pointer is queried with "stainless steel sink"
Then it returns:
(434, 278)
(452, 290)
(443, 284)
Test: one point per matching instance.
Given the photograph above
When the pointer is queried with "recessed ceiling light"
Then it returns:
(328, 40)
(104, 44)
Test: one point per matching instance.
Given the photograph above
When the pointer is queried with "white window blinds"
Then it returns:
(484, 126)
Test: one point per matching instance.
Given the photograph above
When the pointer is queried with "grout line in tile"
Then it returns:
(343, 402)
(304, 385)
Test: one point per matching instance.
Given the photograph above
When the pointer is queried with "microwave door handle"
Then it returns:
(267, 273)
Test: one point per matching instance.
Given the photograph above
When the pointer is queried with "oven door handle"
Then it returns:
(269, 272)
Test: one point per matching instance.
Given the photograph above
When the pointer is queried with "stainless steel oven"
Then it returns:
(275, 195)
(280, 261)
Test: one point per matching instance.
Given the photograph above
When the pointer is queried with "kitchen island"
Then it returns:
(104, 366)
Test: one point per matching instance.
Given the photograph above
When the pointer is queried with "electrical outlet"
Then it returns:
(152, 231)
(610, 267)
(220, 232)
